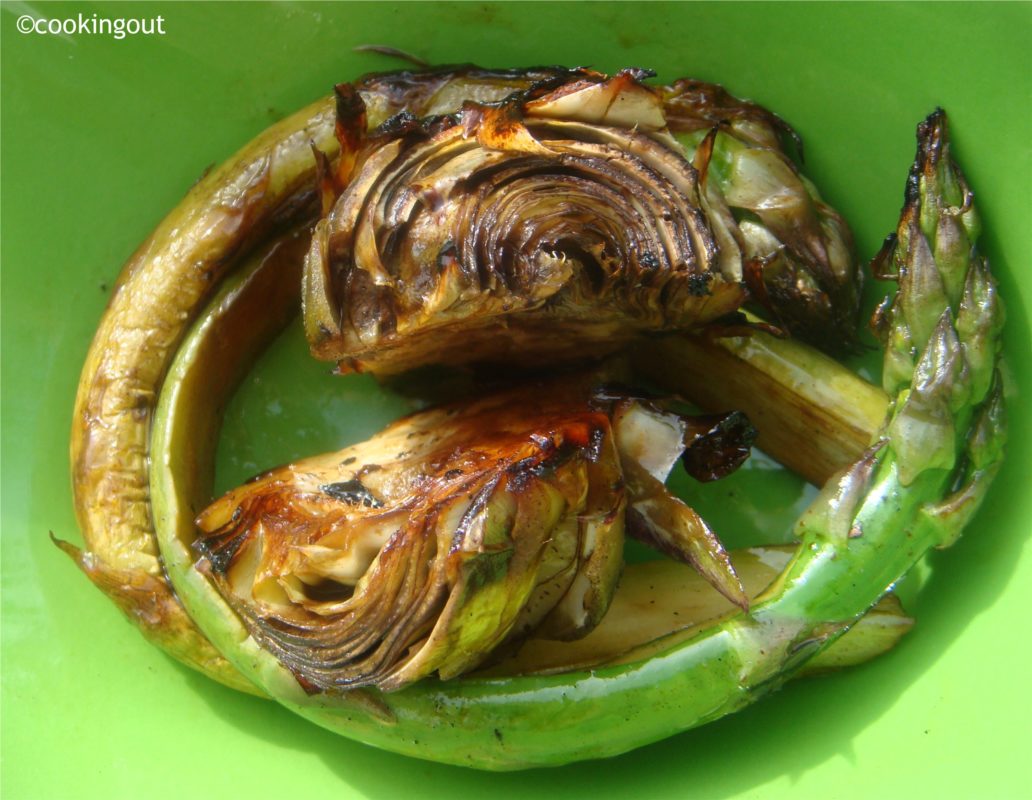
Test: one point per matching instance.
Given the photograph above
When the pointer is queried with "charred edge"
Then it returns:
(931, 137)
(699, 284)
(406, 125)
(737, 324)
(550, 82)
(220, 550)
(350, 104)
(351, 114)
(323, 179)
(518, 474)
(880, 323)
(594, 449)
(881, 265)
(552, 457)
(703, 156)
(717, 105)
(410, 85)
(638, 73)
(552, 78)
(350, 130)
(476, 507)
(721, 449)
(648, 261)
(443, 72)
(352, 492)
(561, 455)
(753, 270)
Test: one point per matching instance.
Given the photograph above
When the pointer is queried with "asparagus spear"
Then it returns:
(924, 477)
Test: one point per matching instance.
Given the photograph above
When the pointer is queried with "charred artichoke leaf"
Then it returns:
(655, 515)
(525, 231)
(564, 216)
(454, 531)
(799, 255)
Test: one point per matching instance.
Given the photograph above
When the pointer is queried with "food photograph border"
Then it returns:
(655, 400)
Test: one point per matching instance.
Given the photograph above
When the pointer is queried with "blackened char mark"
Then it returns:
(351, 492)
(219, 551)
(722, 444)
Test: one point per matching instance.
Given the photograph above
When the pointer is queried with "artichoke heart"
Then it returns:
(558, 222)
(452, 532)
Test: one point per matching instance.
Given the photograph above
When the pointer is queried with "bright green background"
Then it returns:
(101, 138)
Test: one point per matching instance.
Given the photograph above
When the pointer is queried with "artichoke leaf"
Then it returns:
(802, 268)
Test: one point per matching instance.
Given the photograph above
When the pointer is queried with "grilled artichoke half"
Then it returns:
(563, 220)
(459, 529)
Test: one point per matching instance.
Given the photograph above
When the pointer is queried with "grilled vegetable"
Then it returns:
(424, 718)
(798, 251)
(267, 185)
(562, 221)
(703, 671)
(863, 532)
(455, 531)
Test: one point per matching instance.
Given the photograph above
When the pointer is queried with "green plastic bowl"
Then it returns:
(103, 135)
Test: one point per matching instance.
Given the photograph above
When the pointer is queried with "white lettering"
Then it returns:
(82, 25)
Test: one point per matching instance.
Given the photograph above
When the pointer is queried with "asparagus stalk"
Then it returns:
(662, 603)
(161, 289)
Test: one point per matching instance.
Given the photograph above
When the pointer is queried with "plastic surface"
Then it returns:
(102, 136)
